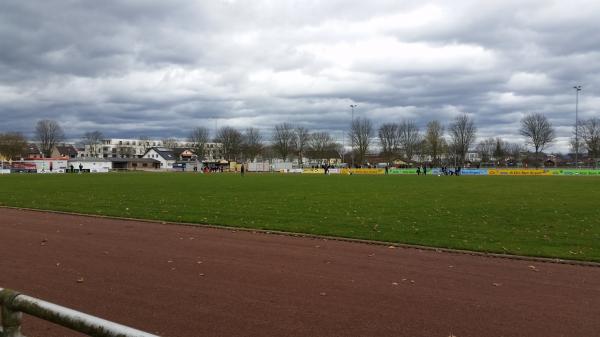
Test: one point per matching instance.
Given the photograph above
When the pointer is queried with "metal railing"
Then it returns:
(14, 304)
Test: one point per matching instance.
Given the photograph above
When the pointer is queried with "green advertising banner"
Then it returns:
(402, 171)
(574, 172)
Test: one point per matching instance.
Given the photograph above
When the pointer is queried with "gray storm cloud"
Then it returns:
(130, 68)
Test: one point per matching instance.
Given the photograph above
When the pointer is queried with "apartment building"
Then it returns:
(120, 148)
(136, 148)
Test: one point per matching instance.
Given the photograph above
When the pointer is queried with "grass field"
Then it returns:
(539, 216)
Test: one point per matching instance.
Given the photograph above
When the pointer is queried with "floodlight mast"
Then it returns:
(577, 90)
(352, 106)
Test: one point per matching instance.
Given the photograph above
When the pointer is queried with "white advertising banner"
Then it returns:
(50, 165)
(91, 166)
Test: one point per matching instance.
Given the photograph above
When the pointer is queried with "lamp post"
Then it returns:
(342, 154)
(577, 90)
(352, 106)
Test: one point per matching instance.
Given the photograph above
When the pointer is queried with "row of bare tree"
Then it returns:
(405, 140)
(47, 133)
(396, 140)
(287, 141)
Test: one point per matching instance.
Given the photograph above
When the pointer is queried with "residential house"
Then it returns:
(134, 164)
(33, 152)
(64, 151)
(166, 157)
(184, 154)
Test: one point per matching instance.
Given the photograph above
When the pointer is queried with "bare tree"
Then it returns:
(252, 143)
(283, 137)
(514, 150)
(500, 150)
(538, 130)
(169, 143)
(300, 142)
(576, 144)
(462, 133)
(435, 143)
(12, 145)
(268, 153)
(389, 140)
(486, 148)
(199, 137)
(92, 140)
(409, 138)
(48, 133)
(231, 140)
(361, 132)
(338, 149)
(319, 144)
(590, 133)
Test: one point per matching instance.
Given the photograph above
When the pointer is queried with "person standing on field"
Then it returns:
(418, 170)
(242, 169)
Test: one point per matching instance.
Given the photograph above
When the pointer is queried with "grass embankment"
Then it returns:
(539, 216)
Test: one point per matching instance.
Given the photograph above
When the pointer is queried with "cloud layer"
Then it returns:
(131, 68)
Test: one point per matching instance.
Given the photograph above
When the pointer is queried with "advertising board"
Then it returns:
(363, 171)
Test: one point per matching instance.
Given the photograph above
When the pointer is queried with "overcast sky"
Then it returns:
(160, 68)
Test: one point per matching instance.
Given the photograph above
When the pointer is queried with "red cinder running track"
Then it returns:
(183, 281)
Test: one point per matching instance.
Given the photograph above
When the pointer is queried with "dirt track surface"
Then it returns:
(180, 281)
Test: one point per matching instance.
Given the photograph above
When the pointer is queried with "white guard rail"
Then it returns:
(13, 304)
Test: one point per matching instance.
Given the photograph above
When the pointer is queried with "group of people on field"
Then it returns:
(455, 172)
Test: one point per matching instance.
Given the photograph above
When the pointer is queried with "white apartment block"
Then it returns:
(120, 148)
(213, 151)
(136, 148)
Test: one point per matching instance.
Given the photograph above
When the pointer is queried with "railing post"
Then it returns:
(11, 323)
(11, 320)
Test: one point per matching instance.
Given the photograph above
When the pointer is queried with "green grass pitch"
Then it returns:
(539, 216)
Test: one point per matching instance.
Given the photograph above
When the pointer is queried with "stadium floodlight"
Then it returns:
(352, 106)
(577, 90)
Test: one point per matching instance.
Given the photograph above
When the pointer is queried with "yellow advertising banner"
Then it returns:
(523, 172)
(313, 171)
(363, 171)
